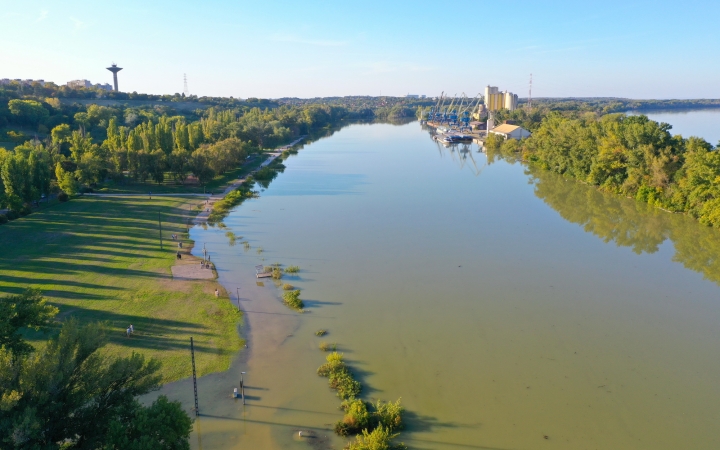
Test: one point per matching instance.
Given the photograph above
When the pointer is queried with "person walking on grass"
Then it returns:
(128, 331)
(132, 329)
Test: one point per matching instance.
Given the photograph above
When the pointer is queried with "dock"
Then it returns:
(260, 272)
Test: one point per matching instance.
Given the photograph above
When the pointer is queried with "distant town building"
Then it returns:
(496, 100)
(76, 84)
(509, 131)
(27, 82)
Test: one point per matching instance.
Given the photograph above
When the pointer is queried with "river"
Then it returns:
(508, 309)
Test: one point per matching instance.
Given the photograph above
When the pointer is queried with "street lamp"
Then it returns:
(242, 388)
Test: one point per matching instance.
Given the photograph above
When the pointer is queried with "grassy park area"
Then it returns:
(99, 259)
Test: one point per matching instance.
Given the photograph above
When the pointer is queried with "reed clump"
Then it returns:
(292, 299)
(374, 423)
(288, 287)
(324, 346)
(292, 269)
(231, 238)
(321, 332)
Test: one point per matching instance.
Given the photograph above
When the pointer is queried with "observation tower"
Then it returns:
(115, 69)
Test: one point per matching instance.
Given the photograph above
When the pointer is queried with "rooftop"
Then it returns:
(505, 128)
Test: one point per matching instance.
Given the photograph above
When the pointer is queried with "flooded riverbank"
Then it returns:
(507, 309)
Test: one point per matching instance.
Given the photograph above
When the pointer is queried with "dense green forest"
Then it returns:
(61, 146)
(627, 155)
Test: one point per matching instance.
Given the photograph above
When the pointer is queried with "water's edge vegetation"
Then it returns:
(631, 156)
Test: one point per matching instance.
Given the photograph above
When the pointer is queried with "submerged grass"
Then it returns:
(292, 269)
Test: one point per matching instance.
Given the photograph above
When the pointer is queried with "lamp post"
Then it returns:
(242, 388)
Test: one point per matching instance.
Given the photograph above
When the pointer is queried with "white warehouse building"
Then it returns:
(511, 131)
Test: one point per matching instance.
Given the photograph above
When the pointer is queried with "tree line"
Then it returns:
(98, 143)
(627, 155)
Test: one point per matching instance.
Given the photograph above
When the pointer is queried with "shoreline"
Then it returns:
(265, 328)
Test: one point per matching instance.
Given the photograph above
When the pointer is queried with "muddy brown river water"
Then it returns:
(508, 309)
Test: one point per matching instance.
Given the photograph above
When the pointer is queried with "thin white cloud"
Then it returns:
(300, 40)
(43, 15)
(79, 24)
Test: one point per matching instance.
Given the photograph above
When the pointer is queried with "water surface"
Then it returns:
(508, 309)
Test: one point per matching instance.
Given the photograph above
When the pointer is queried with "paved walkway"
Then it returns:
(191, 271)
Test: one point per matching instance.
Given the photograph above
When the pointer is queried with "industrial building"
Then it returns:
(509, 131)
(496, 100)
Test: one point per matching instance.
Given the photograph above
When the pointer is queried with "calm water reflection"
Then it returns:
(508, 309)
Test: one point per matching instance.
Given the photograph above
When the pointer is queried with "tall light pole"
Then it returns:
(242, 388)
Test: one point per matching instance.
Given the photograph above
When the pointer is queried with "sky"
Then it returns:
(271, 49)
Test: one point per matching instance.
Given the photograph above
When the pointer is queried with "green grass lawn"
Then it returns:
(171, 187)
(99, 259)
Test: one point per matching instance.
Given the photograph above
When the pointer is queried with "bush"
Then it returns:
(63, 197)
(292, 269)
(379, 438)
(339, 376)
(292, 299)
(288, 287)
(320, 332)
(12, 215)
(3, 219)
(356, 418)
(389, 415)
(25, 210)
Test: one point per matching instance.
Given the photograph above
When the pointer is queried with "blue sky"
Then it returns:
(648, 49)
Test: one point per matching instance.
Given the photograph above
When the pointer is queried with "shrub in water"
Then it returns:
(378, 439)
(339, 376)
(288, 287)
(292, 299)
(320, 332)
(357, 417)
(292, 269)
(324, 346)
(389, 415)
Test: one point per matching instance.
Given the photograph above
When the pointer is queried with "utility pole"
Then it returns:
(242, 388)
(160, 228)
(238, 298)
(192, 355)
